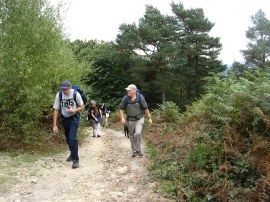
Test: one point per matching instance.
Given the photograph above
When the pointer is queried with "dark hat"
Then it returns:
(65, 85)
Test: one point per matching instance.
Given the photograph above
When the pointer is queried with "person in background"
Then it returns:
(105, 114)
(71, 103)
(135, 107)
(95, 118)
(99, 117)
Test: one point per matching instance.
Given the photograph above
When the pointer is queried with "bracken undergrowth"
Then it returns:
(218, 149)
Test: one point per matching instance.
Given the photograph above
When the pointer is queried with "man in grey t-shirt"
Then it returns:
(135, 107)
(70, 102)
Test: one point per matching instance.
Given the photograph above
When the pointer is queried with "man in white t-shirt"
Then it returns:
(70, 102)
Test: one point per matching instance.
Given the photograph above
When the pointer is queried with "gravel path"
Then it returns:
(107, 173)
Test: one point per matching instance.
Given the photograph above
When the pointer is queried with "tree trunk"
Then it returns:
(163, 97)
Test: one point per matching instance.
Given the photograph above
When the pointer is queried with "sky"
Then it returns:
(100, 19)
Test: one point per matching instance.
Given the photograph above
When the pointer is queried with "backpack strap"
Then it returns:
(126, 100)
(60, 96)
(139, 95)
(74, 96)
(138, 101)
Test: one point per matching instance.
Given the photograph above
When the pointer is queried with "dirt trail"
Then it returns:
(107, 173)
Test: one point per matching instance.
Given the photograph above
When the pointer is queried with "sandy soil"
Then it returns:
(107, 173)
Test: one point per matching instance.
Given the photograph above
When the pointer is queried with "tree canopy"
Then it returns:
(107, 70)
(258, 47)
(172, 53)
(34, 59)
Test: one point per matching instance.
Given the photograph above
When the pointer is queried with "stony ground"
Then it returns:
(107, 173)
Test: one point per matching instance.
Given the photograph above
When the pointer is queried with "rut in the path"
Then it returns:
(107, 173)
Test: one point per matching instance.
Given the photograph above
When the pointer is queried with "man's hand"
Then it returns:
(147, 113)
(55, 115)
(150, 121)
(123, 121)
(55, 130)
(69, 110)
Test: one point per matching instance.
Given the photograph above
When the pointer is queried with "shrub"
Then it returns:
(169, 113)
(218, 149)
(34, 60)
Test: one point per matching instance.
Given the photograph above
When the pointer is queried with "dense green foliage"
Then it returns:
(238, 69)
(218, 149)
(165, 56)
(106, 70)
(150, 42)
(171, 53)
(34, 59)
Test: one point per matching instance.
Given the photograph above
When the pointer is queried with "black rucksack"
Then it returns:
(76, 89)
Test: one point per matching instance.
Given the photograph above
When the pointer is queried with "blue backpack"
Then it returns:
(76, 89)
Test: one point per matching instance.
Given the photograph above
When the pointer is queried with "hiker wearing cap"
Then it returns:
(70, 102)
(135, 107)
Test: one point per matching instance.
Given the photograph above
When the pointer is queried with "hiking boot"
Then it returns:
(98, 136)
(140, 154)
(69, 158)
(75, 164)
(134, 155)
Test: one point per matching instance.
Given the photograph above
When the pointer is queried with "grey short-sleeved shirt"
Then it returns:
(67, 101)
(134, 109)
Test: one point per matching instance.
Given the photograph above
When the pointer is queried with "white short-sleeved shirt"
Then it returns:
(67, 101)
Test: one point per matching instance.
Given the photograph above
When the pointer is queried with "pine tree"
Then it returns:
(258, 47)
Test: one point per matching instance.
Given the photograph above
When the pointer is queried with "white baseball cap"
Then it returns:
(131, 87)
